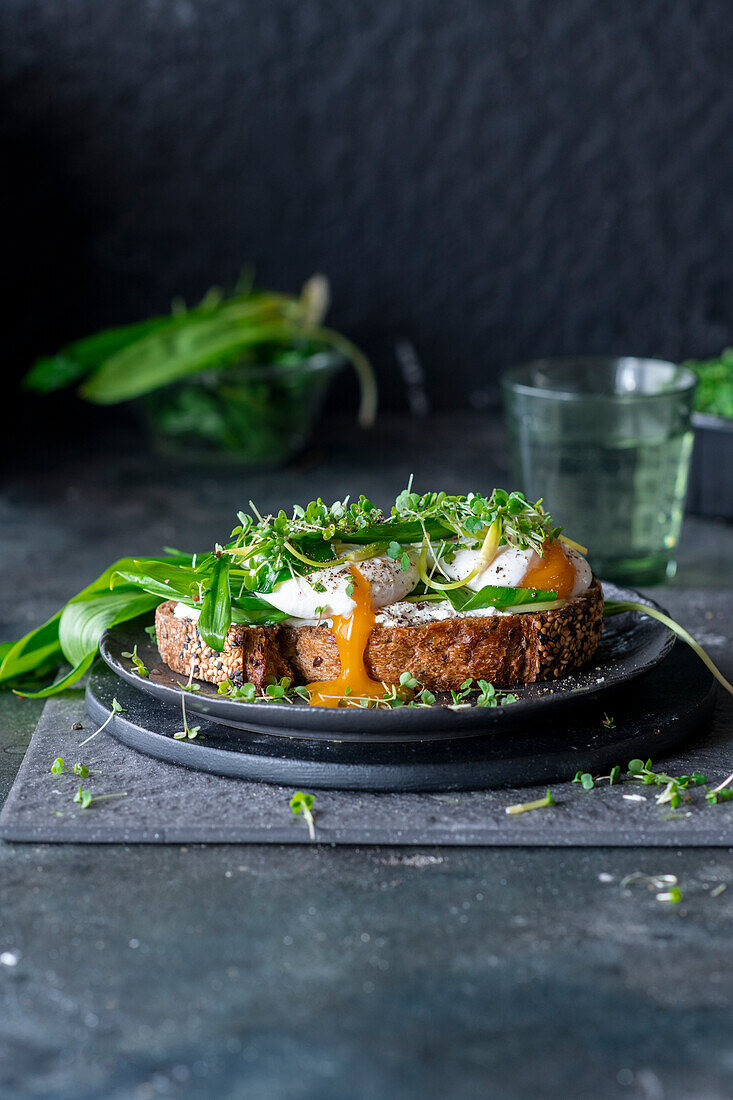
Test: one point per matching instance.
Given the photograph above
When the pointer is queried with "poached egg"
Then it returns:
(329, 592)
(561, 569)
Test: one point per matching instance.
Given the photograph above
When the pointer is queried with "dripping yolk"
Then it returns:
(554, 572)
(352, 635)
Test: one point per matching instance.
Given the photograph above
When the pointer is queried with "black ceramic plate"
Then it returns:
(676, 704)
(631, 645)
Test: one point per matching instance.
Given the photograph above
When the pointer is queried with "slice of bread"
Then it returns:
(506, 650)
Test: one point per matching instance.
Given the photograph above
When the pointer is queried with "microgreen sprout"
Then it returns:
(189, 732)
(151, 633)
(537, 804)
(487, 696)
(588, 781)
(608, 722)
(522, 524)
(81, 770)
(138, 662)
(86, 797)
(279, 689)
(652, 882)
(674, 789)
(58, 765)
(674, 895)
(303, 803)
(673, 786)
(117, 708)
(722, 793)
(247, 692)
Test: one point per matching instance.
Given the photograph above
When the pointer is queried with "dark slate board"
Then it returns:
(170, 804)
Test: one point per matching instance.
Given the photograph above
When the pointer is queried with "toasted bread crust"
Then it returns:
(251, 654)
(503, 649)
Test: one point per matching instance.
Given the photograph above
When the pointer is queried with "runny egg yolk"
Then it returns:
(352, 634)
(555, 572)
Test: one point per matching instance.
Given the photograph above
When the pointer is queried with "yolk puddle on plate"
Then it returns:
(352, 635)
(555, 571)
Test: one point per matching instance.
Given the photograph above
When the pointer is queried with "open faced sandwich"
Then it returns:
(346, 600)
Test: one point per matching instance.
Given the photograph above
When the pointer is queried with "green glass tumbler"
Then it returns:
(606, 444)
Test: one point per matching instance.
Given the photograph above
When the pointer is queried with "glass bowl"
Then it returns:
(247, 416)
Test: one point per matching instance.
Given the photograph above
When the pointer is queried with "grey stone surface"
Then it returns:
(130, 972)
(268, 973)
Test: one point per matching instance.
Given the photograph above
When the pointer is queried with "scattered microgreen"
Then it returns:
(86, 797)
(589, 781)
(674, 786)
(189, 732)
(350, 586)
(138, 662)
(537, 804)
(487, 696)
(608, 722)
(81, 770)
(303, 803)
(318, 587)
(279, 690)
(674, 789)
(151, 633)
(117, 708)
(674, 895)
(722, 793)
(58, 765)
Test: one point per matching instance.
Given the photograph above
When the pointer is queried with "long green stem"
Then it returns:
(538, 804)
(369, 395)
(616, 607)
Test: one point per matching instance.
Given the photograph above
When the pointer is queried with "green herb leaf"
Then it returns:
(463, 599)
(301, 802)
(58, 765)
(216, 610)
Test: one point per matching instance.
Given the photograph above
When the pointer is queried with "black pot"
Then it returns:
(710, 491)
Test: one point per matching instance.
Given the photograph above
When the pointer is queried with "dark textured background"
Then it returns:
(491, 180)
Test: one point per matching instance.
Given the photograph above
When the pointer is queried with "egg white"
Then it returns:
(299, 599)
